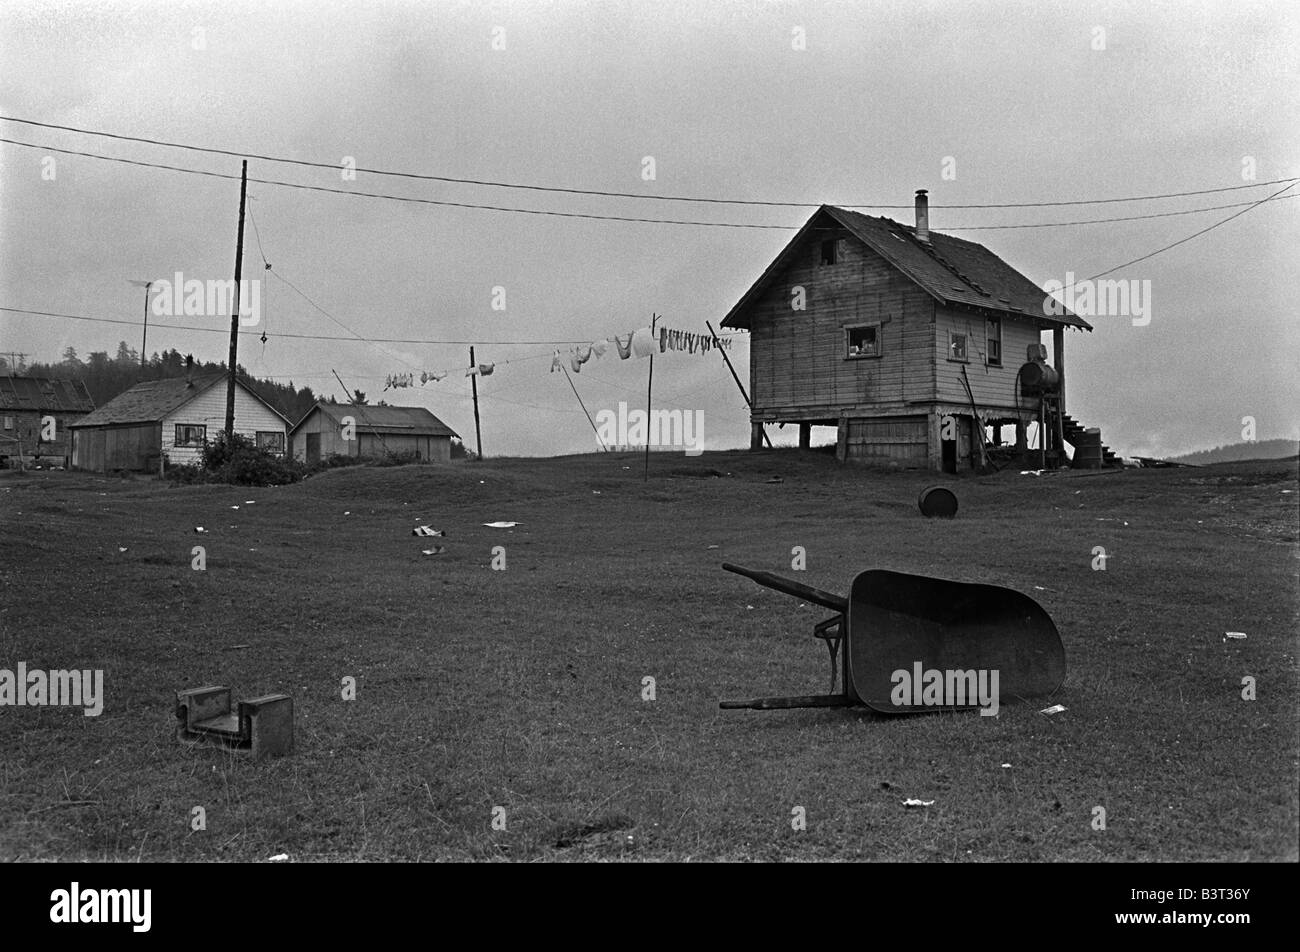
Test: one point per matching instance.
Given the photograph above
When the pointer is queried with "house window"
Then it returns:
(191, 434)
(832, 250)
(9, 423)
(995, 342)
(957, 346)
(862, 340)
(272, 440)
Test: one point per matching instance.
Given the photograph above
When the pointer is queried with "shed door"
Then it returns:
(313, 447)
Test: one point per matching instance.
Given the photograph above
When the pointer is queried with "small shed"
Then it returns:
(172, 419)
(35, 413)
(372, 432)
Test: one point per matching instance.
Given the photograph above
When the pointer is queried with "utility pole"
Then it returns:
(144, 338)
(234, 317)
(473, 382)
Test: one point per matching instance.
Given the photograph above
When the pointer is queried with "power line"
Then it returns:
(622, 218)
(334, 166)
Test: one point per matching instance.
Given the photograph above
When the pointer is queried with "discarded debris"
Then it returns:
(1005, 766)
(236, 647)
(1236, 635)
(426, 531)
(436, 550)
(913, 802)
(502, 525)
(200, 529)
(122, 548)
(1031, 472)
(278, 858)
(713, 547)
(1054, 709)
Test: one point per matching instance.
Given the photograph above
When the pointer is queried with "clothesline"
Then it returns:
(636, 344)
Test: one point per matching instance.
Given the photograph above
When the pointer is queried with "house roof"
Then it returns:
(952, 270)
(44, 393)
(415, 421)
(151, 401)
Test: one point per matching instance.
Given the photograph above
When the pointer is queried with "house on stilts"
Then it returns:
(923, 350)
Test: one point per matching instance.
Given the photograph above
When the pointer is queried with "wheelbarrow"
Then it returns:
(896, 635)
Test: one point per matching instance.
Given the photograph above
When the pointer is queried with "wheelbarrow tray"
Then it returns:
(898, 634)
(897, 622)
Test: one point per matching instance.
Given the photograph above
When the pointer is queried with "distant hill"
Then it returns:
(1264, 449)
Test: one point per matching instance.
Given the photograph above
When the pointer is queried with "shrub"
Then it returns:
(240, 462)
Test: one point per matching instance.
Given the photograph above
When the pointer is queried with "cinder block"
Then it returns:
(268, 724)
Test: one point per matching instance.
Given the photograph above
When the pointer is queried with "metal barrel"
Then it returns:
(937, 501)
(790, 587)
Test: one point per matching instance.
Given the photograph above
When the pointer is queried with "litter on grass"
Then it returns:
(1054, 709)
(426, 531)
(122, 548)
(436, 550)
(278, 858)
(1005, 766)
(200, 529)
(1236, 635)
(502, 525)
(913, 802)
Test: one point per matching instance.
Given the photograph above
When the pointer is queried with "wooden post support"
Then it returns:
(756, 436)
(805, 436)
(1058, 358)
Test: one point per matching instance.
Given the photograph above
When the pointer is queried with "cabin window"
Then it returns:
(957, 346)
(271, 440)
(995, 342)
(832, 250)
(9, 423)
(862, 340)
(191, 434)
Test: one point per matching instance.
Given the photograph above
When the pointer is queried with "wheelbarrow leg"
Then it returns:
(786, 703)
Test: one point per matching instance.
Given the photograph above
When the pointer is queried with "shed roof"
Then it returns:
(952, 270)
(151, 401)
(415, 421)
(44, 393)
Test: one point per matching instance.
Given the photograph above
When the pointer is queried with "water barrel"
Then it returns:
(937, 502)
(1087, 450)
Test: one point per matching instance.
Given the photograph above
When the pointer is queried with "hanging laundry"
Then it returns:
(584, 353)
(574, 362)
(472, 372)
(643, 342)
(435, 377)
(424, 377)
(556, 362)
(599, 347)
(624, 350)
(485, 370)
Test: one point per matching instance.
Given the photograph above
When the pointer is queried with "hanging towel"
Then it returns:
(624, 350)
(643, 342)
(599, 347)
(574, 362)
(485, 370)
(472, 372)
(584, 353)
(556, 363)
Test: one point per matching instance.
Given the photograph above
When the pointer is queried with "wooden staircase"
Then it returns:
(1072, 429)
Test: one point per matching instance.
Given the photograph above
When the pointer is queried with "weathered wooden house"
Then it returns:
(876, 328)
(35, 413)
(171, 420)
(372, 432)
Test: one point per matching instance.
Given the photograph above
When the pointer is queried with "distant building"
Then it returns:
(174, 419)
(372, 432)
(32, 408)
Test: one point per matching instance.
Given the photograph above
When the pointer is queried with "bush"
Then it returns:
(240, 462)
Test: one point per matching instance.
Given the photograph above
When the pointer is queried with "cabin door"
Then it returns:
(313, 447)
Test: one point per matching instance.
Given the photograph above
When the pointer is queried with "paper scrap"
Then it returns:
(1237, 635)
(426, 531)
(278, 858)
(502, 525)
(1054, 709)
(913, 802)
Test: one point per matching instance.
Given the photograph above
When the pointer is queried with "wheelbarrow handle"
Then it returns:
(790, 587)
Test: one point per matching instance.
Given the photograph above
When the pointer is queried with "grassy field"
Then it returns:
(522, 689)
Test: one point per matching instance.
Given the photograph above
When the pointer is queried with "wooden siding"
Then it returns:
(208, 409)
(901, 441)
(436, 448)
(20, 429)
(994, 386)
(103, 449)
(798, 363)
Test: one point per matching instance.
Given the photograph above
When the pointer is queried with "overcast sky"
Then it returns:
(1026, 101)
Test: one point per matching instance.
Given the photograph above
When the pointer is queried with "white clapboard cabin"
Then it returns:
(171, 420)
(866, 324)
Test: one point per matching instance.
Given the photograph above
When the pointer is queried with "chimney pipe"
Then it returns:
(922, 216)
